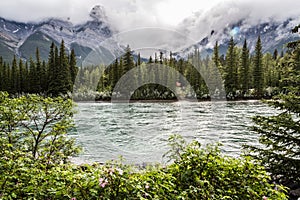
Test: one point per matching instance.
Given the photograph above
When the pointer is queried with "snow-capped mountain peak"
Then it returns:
(239, 20)
(204, 28)
(23, 38)
(98, 13)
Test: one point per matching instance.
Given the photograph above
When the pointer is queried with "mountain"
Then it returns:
(240, 21)
(23, 38)
(274, 35)
(218, 24)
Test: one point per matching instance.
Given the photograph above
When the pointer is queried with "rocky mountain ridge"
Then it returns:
(23, 38)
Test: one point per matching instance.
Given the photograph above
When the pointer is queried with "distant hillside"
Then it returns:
(23, 38)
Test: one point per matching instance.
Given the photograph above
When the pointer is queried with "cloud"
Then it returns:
(35, 10)
(230, 12)
(125, 14)
(195, 19)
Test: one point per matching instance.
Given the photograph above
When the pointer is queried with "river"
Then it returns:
(139, 131)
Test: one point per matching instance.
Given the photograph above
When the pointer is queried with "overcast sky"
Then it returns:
(131, 13)
(126, 12)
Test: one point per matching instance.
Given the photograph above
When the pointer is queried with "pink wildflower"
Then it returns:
(111, 171)
(120, 171)
(104, 184)
(73, 198)
(265, 198)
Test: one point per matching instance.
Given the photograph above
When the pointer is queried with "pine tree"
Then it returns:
(268, 64)
(275, 54)
(14, 76)
(6, 82)
(216, 57)
(244, 69)
(44, 80)
(214, 67)
(258, 69)
(139, 60)
(139, 77)
(26, 78)
(21, 87)
(121, 68)
(33, 80)
(150, 60)
(59, 70)
(128, 60)
(161, 57)
(280, 134)
(80, 81)
(53, 64)
(39, 75)
(73, 67)
(114, 73)
(155, 58)
(64, 71)
(231, 70)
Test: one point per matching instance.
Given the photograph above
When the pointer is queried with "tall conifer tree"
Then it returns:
(258, 69)
(14, 76)
(39, 75)
(128, 60)
(244, 68)
(231, 70)
(73, 67)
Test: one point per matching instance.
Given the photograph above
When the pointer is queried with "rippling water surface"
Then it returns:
(138, 131)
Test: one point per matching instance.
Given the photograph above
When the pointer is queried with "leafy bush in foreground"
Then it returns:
(200, 174)
(197, 174)
(34, 152)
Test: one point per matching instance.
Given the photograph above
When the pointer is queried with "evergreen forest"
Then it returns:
(237, 75)
(51, 78)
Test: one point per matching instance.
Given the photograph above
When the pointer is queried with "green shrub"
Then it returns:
(34, 163)
(199, 173)
(207, 174)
